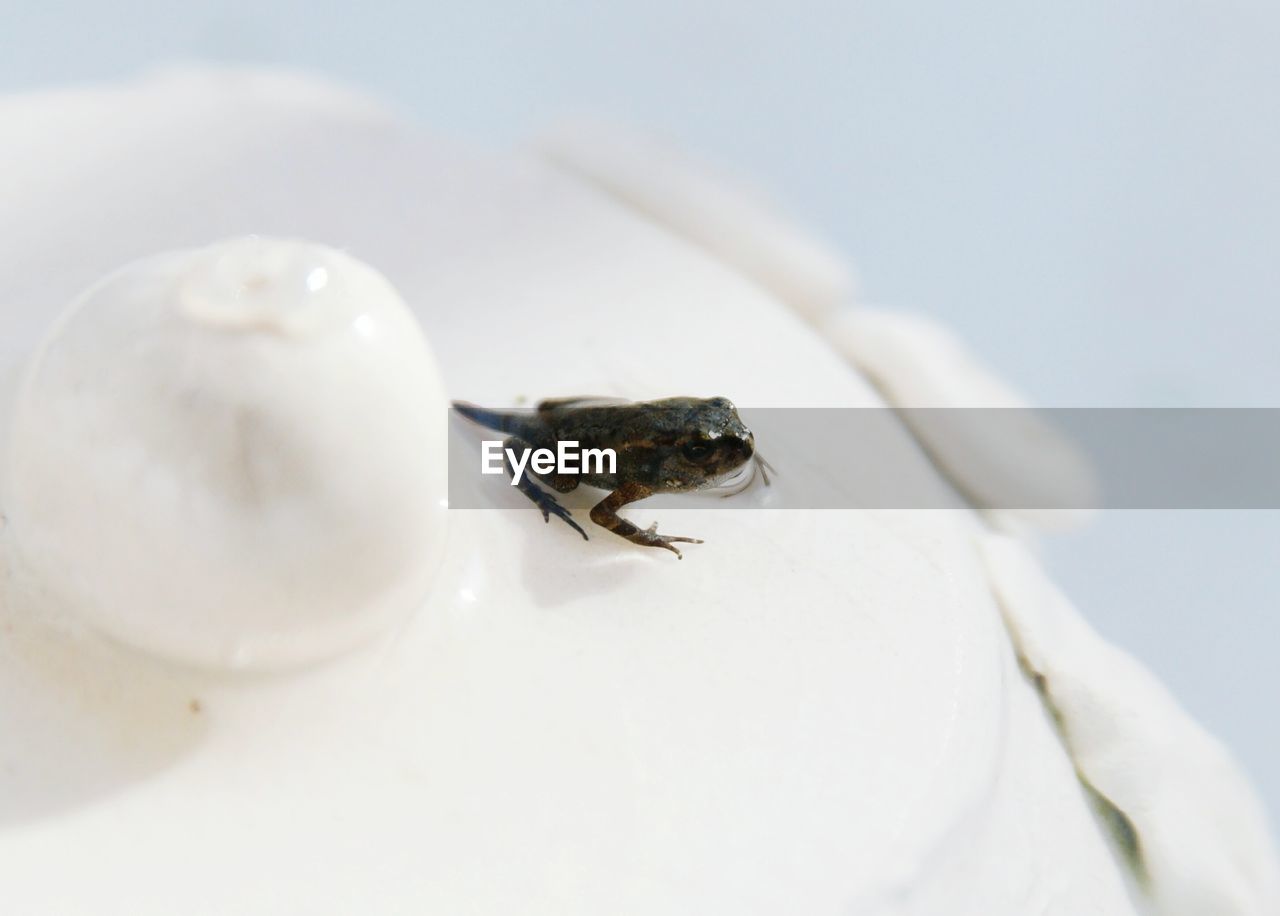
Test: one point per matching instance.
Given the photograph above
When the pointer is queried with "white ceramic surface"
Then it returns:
(814, 712)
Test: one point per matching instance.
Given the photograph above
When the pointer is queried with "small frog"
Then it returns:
(667, 446)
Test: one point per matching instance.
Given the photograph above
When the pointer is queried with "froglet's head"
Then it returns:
(709, 442)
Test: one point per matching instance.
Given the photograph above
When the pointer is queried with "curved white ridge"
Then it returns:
(1202, 842)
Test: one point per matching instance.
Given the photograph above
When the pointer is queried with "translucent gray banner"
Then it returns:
(920, 458)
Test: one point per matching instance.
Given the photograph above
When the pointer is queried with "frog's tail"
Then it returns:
(499, 420)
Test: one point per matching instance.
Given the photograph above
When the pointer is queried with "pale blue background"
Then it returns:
(1087, 190)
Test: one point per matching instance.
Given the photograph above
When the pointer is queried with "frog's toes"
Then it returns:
(568, 520)
(651, 538)
(563, 513)
(652, 531)
(549, 507)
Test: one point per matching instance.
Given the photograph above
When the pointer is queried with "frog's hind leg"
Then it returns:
(605, 514)
(562, 483)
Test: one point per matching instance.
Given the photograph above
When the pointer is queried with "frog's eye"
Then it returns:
(697, 450)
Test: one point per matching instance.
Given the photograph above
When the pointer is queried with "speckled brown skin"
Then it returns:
(671, 445)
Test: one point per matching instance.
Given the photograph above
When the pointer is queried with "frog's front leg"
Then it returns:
(540, 497)
(605, 514)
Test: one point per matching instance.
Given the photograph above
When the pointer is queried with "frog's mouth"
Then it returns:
(742, 478)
